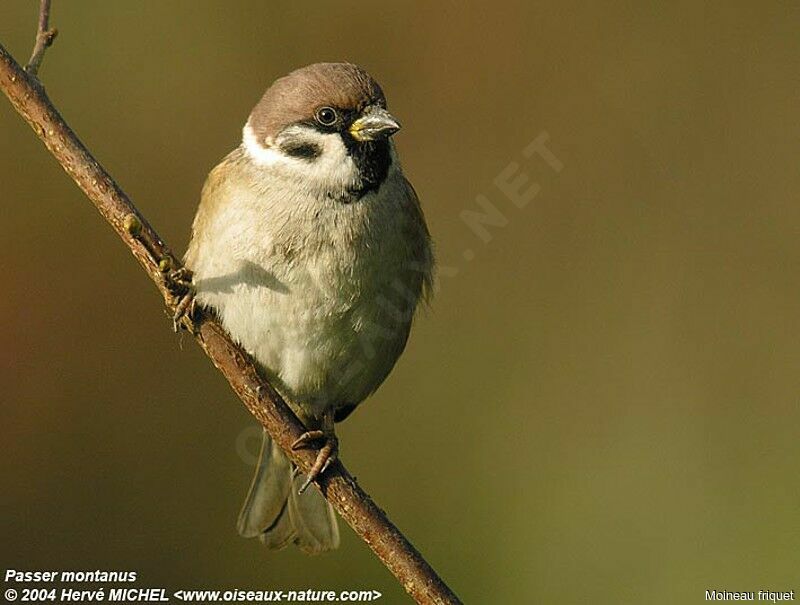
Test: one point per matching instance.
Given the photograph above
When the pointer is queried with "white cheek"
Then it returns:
(257, 152)
(333, 170)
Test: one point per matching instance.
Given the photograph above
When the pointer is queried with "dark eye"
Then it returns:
(326, 116)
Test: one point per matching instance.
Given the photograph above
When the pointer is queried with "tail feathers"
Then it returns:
(313, 519)
(275, 513)
(268, 493)
(281, 533)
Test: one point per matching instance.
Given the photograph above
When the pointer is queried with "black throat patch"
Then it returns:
(372, 158)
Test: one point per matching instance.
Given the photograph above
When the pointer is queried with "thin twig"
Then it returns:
(339, 487)
(44, 38)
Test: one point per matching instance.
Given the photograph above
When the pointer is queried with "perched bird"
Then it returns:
(311, 247)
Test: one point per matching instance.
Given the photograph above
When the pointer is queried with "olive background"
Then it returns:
(599, 406)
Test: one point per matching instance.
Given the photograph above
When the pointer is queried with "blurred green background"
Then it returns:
(601, 406)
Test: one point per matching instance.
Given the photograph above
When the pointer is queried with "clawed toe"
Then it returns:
(184, 310)
(326, 454)
(306, 438)
(325, 457)
(181, 277)
(179, 283)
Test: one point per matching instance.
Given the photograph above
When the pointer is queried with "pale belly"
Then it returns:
(323, 341)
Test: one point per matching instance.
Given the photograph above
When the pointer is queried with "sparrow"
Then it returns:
(311, 248)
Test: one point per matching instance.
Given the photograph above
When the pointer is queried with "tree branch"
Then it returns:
(339, 487)
(44, 38)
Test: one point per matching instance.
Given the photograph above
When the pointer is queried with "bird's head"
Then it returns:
(327, 123)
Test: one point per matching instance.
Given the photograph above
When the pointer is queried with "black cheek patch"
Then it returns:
(303, 150)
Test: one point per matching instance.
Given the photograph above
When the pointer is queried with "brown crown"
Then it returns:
(296, 96)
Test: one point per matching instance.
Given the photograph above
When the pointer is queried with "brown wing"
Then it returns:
(422, 249)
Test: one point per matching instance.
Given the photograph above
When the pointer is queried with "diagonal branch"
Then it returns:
(339, 487)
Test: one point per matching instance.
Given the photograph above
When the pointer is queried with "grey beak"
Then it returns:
(375, 123)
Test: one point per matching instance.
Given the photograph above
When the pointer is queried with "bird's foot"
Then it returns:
(179, 283)
(326, 455)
